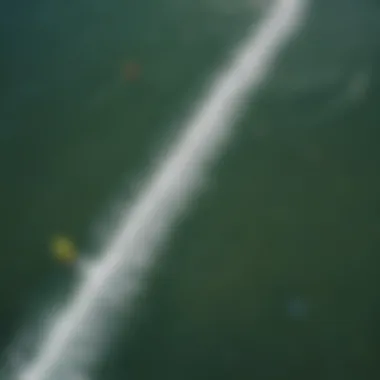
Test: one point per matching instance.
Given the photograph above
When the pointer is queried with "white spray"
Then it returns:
(75, 337)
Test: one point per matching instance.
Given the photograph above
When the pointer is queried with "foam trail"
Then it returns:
(75, 335)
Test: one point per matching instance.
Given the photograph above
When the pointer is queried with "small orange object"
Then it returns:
(131, 71)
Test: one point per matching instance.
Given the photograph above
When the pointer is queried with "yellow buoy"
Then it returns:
(64, 249)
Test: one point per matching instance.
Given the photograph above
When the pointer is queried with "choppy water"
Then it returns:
(273, 272)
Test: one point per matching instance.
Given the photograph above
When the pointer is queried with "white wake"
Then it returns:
(76, 336)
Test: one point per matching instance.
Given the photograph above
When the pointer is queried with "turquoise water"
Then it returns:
(273, 273)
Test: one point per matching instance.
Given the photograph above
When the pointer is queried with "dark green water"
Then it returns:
(274, 272)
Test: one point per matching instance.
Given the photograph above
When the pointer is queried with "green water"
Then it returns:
(290, 212)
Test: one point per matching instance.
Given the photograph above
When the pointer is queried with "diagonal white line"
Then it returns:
(75, 336)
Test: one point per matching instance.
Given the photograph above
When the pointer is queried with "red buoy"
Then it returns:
(131, 71)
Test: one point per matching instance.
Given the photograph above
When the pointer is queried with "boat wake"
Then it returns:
(78, 334)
